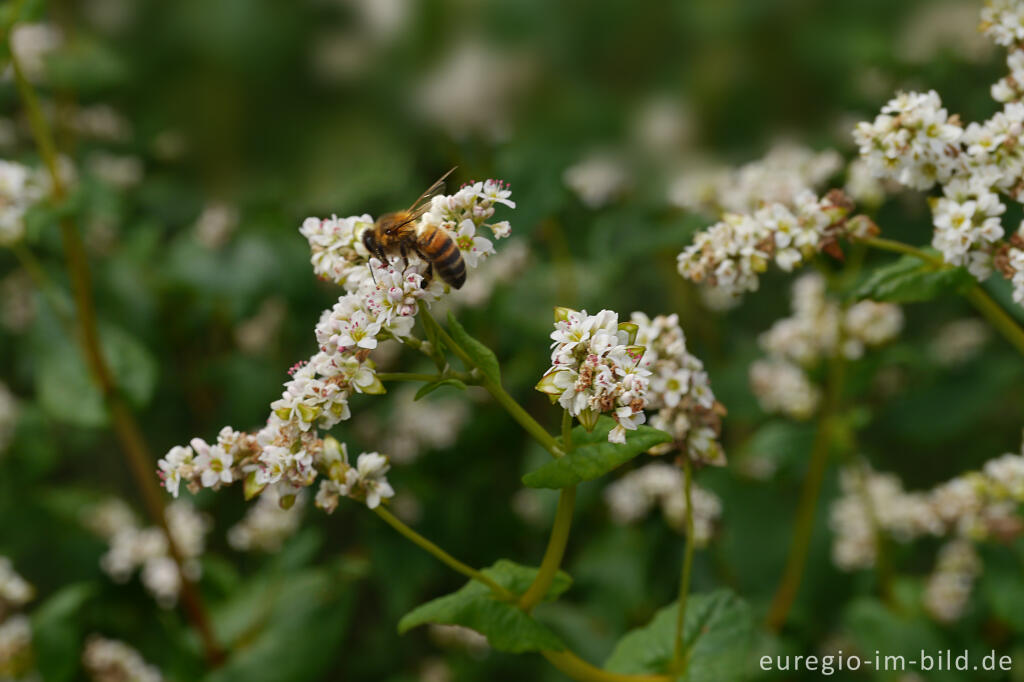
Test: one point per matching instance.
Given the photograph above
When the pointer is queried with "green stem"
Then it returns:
(140, 462)
(566, 431)
(441, 555)
(499, 393)
(679, 654)
(976, 295)
(804, 525)
(554, 553)
(578, 669)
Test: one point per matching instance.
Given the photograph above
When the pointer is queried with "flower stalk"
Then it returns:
(976, 295)
(792, 574)
(679, 652)
(441, 555)
(126, 428)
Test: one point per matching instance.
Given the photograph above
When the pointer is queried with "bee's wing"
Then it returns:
(411, 216)
(419, 206)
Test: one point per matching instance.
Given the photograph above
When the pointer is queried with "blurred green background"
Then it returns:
(276, 111)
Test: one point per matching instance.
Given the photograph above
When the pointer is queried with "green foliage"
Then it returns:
(593, 456)
(57, 631)
(482, 356)
(475, 606)
(911, 280)
(717, 636)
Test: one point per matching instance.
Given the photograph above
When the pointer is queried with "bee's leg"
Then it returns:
(405, 255)
(428, 276)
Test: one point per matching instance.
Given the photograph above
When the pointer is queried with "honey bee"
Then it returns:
(398, 234)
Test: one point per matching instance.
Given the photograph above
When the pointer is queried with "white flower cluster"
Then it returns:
(459, 637)
(679, 390)
(16, 659)
(266, 525)
(110, 660)
(380, 304)
(873, 501)
(819, 328)
(917, 143)
(132, 547)
(595, 369)
(33, 43)
(912, 141)
(949, 587)
(8, 416)
(780, 177)
(972, 507)
(633, 496)
(732, 253)
(20, 188)
(1003, 21)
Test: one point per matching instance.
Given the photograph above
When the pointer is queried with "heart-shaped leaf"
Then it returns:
(717, 636)
(593, 456)
(475, 606)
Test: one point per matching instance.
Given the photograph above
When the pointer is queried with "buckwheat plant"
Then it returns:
(605, 374)
(16, 655)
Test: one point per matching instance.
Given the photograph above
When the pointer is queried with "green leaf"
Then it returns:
(910, 280)
(718, 634)
(427, 389)
(66, 388)
(287, 626)
(475, 606)
(593, 456)
(481, 355)
(56, 632)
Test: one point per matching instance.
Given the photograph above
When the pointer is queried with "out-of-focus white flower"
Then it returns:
(862, 185)
(937, 27)
(123, 172)
(15, 591)
(266, 525)
(109, 660)
(597, 179)
(435, 670)
(101, 122)
(680, 391)
(782, 176)
(949, 587)
(133, 548)
(215, 224)
(783, 387)
(20, 187)
(32, 43)
(256, 334)
(633, 496)
(959, 341)
(662, 126)
(818, 329)
(473, 91)
(595, 370)
(417, 425)
(16, 648)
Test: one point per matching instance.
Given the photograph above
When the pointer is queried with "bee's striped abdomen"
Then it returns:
(439, 248)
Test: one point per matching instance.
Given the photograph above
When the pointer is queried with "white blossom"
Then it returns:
(949, 587)
(109, 660)
(633, 496)
(15, 591)
(266, 525)
(16, 648)
(595, 370)
(597, 179)
(20, 188)
(680, 391)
